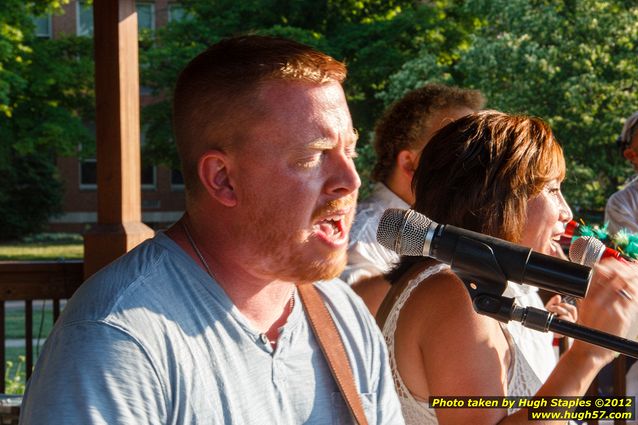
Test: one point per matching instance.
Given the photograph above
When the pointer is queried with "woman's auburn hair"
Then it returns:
(479, 172)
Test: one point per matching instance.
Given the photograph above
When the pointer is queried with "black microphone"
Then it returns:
(479, 256)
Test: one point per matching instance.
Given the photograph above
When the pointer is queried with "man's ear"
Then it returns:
(214, 175)
(407, 161)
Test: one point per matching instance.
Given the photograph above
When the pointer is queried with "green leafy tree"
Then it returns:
(46, 91)
(573, 63)
(14, 17)
(373, 37)
(31, 192)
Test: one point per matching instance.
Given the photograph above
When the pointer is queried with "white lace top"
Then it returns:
(522, 381)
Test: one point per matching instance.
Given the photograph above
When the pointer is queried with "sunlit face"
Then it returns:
(547, 216)
(298, 185)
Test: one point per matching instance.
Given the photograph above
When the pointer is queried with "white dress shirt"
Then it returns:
(536, 346)
(365, 256)
(621, 211)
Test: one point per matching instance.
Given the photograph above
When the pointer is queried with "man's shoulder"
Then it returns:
(631, 188)
(123, 281)
(359, 332)
(334, 287)
(342, 300)
(625, 196)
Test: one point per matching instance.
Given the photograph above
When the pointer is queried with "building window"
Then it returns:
(177, 180)
(151, 204)
(84, 18)
(88, 174)
(42, 26)
(146, 90)
(145, 16)
(176, 12)
(148, 177)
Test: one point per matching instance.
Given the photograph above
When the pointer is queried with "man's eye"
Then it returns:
(309, 161)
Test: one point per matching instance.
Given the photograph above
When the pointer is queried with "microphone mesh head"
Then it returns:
(586, 250)
(403, 231)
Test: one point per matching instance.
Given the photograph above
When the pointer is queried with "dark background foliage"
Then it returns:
(573, 63)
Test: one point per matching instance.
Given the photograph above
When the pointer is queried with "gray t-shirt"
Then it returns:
(152, 339)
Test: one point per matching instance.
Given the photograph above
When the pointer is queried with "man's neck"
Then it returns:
(264, 302)
(400, 187)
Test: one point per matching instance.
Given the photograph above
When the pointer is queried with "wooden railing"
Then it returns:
(28, 281)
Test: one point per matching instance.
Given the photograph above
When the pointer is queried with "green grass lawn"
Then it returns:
(15, 375)
(14, 322)
(34, 251)
(12, 354)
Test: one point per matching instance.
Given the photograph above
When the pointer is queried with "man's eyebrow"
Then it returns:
(326, 143)
(322, 143)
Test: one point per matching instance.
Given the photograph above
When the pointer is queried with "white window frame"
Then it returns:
(152, 5)
(50, 22)
(78, 10)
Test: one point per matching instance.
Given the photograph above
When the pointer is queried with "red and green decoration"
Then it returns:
(623, 241)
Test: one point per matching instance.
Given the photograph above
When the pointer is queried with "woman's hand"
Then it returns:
(610, 304)
(562, 309)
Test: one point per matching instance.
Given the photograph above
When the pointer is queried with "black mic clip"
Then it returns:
(475, 263)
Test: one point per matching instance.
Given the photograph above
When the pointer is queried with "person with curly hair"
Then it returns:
(400, 135)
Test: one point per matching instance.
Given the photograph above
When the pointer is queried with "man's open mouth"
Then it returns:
(332, 226)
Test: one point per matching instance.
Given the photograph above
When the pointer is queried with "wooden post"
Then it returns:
(119, 227)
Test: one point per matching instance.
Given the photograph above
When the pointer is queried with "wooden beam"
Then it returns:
(39, 280)
(119, 227)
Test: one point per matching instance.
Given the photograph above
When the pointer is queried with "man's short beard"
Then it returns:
(282, 255)
(325, 269)
(294, 267)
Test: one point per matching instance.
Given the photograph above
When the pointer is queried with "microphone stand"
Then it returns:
(477, 268)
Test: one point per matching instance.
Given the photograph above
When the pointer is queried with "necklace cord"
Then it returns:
(197, 251)
(291, 304)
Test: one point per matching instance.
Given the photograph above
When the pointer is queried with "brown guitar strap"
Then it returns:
(332, 347)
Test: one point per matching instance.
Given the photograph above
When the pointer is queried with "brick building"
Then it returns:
(162, 188)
